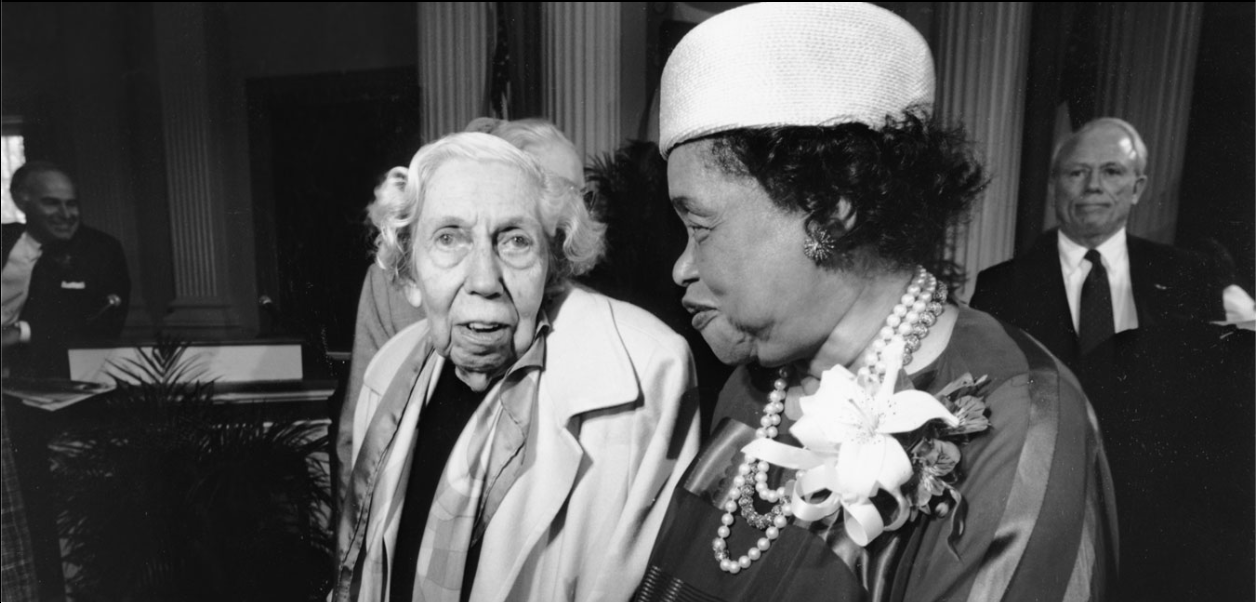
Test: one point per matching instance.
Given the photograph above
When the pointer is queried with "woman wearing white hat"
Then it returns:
(877, 441)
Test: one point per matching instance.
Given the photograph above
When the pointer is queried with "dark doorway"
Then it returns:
(318, 146)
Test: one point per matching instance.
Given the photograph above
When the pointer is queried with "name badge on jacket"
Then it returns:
(73, 285)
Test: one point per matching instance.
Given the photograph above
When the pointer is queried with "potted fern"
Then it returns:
(168, 496)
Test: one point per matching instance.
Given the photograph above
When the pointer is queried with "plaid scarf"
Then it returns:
(485, 462)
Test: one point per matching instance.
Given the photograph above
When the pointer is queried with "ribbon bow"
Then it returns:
(849, 451)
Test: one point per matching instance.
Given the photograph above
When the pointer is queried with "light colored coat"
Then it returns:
(615, 426)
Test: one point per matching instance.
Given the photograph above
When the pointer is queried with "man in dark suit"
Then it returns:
(62, 281)
(1079, 285)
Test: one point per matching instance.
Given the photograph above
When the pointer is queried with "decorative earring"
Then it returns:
(819, 246)
(414, 296)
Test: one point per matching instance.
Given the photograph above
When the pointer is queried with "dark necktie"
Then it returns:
(1095, 321)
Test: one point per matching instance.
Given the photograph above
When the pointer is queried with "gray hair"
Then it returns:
(1140, 149)
(575, 239)
(528, 134)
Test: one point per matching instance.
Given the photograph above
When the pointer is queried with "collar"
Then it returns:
(519, 408)
(589, 368)
(27, 245)
(583, 357)
(534, 357)
(1113, 250)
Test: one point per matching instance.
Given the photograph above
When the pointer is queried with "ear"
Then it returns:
(1140, 185)
(414, 296)
(846, 213)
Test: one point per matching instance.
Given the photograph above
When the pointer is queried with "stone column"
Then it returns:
(581, 66)
(201, 306)
(1146, 77)
(455, 50)
(982, 54)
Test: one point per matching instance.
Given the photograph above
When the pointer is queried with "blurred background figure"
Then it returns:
(62, 280)
(1144, 327)
(1088, 280)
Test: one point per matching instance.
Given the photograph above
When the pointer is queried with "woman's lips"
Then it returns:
(702, 317)
(484, 333)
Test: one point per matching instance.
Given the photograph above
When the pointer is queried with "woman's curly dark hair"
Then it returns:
(906, 183)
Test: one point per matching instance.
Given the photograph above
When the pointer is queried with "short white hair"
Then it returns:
(576, 240)
(1140, 149)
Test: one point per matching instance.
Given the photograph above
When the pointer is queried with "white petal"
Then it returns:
(859, 465)
(910, 409)
(895, 467)
(824, 435)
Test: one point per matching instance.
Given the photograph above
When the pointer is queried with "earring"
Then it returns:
(819, 246)
(414, 296)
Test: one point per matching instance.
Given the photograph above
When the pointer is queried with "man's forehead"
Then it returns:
(51, 184)
(1102, 143)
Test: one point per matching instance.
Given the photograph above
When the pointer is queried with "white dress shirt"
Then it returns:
(15, 281)
(1116, 260)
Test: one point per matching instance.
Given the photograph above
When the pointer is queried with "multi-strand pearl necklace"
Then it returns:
(755, 472)
(911, 318)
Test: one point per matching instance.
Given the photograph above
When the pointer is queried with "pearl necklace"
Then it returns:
(755, 472)
(918, 310)
(911, 318)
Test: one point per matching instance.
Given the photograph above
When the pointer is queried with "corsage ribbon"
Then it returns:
(848, 451)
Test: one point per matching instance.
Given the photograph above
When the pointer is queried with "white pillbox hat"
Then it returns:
(793, 63)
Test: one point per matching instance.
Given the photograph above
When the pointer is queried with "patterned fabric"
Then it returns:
(15, 281)
(481, 468)
(17, 565)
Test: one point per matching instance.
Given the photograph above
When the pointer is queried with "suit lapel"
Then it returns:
(1142, 280)
(1048, 305)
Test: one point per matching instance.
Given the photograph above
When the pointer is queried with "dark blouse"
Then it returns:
(442, 421)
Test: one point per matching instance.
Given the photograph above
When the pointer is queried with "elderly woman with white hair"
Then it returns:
(386, 307)
(520, 442)
(877, 440)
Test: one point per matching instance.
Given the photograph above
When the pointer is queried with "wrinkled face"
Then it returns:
(1096, 184)
(753, 294)
(480, 255)
(51, 207)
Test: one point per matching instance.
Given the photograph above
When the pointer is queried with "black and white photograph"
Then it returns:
(628, 301)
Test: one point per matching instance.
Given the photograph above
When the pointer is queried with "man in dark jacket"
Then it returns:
(62, 281)
(1083, 283)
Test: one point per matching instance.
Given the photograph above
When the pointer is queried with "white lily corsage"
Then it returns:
(856, 434)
